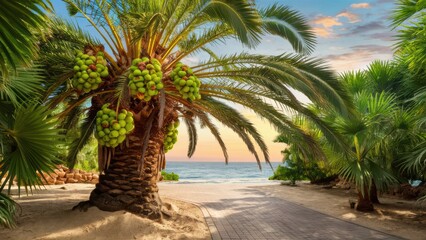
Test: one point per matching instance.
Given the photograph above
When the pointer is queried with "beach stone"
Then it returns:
(77, 176)
(71, 180)
(69, 175)
(59, 182)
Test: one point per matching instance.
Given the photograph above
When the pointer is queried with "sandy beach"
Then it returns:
(47, 214)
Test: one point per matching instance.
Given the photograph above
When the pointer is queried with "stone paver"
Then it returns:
(239, 211)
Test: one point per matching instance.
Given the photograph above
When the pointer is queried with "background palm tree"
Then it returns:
(169, 31)
(410, 19)
(27, 137)
(379, 133)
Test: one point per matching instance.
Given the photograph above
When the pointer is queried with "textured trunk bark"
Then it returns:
(364, 203)
(373, 194)
(124, 187)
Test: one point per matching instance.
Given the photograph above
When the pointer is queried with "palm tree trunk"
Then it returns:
(373, 194)
(364, 202)
(124, 187)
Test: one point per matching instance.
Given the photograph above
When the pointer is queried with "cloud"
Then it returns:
(373, 48)
(384, 36)
(359, 57)
(324, 24)
(360, 5)
(326, 21)
(384, 1)
(322, 32)
(352, 17)
(361, 29)
(191, 60)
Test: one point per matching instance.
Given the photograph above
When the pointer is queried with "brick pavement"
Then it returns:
(237, 211)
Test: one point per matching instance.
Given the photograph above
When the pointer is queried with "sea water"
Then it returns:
(219, 172)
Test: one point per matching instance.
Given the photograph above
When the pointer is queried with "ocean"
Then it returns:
(219, 172)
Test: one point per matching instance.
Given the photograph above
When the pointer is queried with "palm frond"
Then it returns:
(405, 10)
(34, 139)
(17, 42)
(7, 211)
(238, 123)
(87, 128)
(288, 24)
(193, 136)
(206, 122)
(21, 85)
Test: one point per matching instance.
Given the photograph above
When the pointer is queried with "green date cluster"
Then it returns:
(145, 78)
(186, 82)
(112, 128)
(171, 136)
(89, 71)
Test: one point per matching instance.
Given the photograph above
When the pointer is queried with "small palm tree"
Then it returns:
(27, 134)
(157, 36)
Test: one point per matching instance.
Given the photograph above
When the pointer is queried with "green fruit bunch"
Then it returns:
(186, 82)
(88, 71)
(111, 129)
(145, 78)
(171, 136)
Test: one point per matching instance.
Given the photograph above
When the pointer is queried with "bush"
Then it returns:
(169, 176)
(293, 172)
(300, 170)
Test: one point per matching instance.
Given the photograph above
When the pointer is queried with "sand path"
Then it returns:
(244, 211)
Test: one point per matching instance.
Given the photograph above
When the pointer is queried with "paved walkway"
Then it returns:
(240, 211)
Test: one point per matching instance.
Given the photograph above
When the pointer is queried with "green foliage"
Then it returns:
(87, 158)
(294, 172)
(169, 176)
(7, 211)
(30, 143)
(17, 41)
(295, 168)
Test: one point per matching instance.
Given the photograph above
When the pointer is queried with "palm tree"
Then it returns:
(161, 34)
(27, 136)
(409, 16)
(380, 132)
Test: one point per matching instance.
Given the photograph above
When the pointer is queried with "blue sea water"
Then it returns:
(219, 172)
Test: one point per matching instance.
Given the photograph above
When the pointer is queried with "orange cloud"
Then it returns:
(322, 32)
(360, 5)
(352, 17)
(324, 25)
(326, 21)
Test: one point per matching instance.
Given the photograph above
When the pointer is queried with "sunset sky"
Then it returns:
(350, 34)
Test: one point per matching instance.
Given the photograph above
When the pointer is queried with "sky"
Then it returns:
(350, 35)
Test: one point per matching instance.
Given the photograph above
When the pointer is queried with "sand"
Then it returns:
(47, 215)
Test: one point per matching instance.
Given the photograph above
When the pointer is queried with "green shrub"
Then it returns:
(294, 171)
(169, 176)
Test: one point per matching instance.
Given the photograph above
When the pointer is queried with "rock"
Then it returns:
(71, 180)
(59, 182)
(77, 176)
(69, 175)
